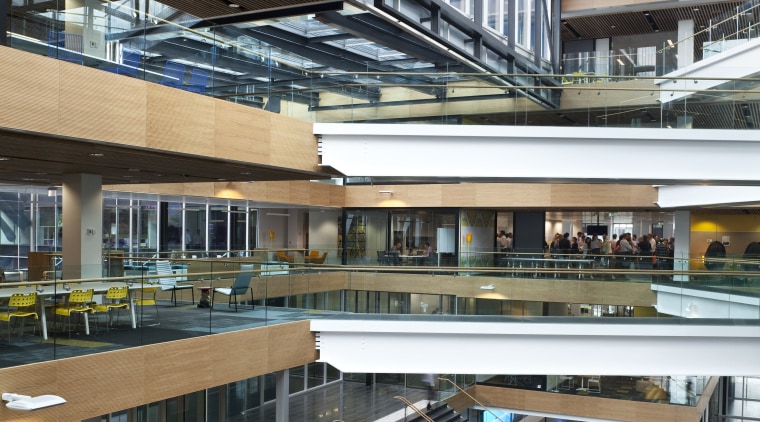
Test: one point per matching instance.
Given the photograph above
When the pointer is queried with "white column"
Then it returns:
(682, 233)
(82, 226)
(282, 395)
(685, 43)
(602, 56)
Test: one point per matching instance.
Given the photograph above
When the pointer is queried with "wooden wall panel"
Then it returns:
(107, 382)
(504, 195)
(90, 107)
(30, 96)
(180, 121)
(55, 97)
(539, 290)
(243, 133)
(469, 195)
(293, 143)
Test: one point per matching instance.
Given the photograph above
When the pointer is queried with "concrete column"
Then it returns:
(282, 395)
(685, 43)
(682, 233)
(82, 226)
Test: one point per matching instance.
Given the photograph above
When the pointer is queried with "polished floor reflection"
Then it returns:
(342, 401)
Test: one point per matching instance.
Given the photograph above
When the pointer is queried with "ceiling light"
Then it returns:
(4, 158)
(279, 214)
(52, 191)
(96, 154)
(387, 192)
(488, 287)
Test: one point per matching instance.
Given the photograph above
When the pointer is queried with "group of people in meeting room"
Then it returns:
(602, 249)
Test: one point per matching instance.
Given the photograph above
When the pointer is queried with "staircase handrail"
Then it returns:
(410, 404)
(471, 397)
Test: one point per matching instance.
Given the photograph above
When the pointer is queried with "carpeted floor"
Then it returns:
(175, 323)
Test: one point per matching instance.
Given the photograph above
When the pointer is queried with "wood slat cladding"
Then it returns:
(97, 384)
(603, 19)
(520, 195)
(164, 135)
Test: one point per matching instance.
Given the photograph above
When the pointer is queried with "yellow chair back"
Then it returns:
(117, 292)
(80, 296)
(22, 300)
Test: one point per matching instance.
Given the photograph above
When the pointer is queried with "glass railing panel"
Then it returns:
(237, 63)
(291, 292)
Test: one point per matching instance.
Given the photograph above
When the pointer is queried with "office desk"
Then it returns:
(412, 259)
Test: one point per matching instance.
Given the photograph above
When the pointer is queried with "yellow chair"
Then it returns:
(115, 298)
(147, 298)
(78, 302)
(282, 256)
(20, 305)
(319, 259)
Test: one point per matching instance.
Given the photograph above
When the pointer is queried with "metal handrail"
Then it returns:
(471, 397)
(410, 404)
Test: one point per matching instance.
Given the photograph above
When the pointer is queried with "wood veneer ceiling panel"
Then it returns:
(42, 160)
(634, 23)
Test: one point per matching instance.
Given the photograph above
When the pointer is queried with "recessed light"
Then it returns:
(96, 154)
(233, 5)
(245, 172)
(133, 170)
(4, 158)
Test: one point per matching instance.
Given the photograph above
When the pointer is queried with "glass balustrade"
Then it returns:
(238, 63)
(172, 297)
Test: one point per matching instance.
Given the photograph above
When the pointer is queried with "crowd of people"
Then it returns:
(625, 251)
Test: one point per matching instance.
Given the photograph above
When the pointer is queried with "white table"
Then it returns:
(46, 291)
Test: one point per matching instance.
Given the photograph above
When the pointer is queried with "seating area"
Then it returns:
(170, 283)
(315, 258)
(130, 64)
(240, 287)
(20, 306)
(174, 76)
(65, 46)
(283, 257)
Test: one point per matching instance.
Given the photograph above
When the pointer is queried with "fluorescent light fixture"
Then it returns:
(389, 192)
(620, 62)
(279, 214)
(22, 402)
(487, 287)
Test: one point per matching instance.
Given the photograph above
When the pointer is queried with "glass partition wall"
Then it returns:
(612, 81)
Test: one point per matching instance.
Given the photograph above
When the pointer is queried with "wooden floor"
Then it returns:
(341, 401)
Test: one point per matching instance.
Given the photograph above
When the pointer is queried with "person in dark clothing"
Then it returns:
(564, 244)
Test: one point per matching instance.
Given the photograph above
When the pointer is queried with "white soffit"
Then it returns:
(691, 196)
(444, 347)
(520, 153)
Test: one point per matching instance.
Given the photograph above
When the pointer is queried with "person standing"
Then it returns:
(428, 380)
(502, 241)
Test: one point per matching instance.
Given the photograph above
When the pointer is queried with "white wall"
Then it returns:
(323, 234)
